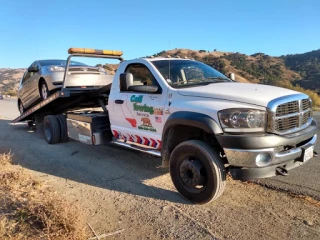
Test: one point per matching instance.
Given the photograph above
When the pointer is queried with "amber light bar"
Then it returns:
(94, 51)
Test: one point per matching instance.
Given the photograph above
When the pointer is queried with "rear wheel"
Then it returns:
(63, 128)
(44, 91)
(21, 108)
(197, 171)
(51, 128)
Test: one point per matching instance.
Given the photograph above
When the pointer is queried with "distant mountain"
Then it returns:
(308, 66)
(257, 68)
(9, 79)
(300, 72)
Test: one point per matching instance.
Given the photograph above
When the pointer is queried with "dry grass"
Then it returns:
(29, 210)
(313, 95)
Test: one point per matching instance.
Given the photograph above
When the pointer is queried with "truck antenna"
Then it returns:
(169, 64)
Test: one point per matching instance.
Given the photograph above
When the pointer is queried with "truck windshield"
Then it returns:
(188, 73)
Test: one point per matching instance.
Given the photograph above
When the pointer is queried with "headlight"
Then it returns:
(242, 120)
(56, 69)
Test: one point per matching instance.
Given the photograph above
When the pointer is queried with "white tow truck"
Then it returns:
(201, 123)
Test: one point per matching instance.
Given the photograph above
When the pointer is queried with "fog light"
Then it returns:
(263, 159)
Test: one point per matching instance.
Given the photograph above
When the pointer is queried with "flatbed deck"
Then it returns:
(67, 100)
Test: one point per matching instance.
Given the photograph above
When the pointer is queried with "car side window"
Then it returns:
(142, 75)
(33, 65)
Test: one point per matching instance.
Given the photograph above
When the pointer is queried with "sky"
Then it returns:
(31, 30)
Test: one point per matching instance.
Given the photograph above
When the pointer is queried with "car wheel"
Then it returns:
(44, 91)
(21, 108)
(197, 171)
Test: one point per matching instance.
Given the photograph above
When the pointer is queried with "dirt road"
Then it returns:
(122, 189)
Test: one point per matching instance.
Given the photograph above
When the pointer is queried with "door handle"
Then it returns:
(118, 101)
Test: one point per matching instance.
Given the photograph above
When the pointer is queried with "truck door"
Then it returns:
(138, 116)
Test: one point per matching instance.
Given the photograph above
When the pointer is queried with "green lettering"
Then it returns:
(136, 99)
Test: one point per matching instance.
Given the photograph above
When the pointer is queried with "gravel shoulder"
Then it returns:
(122, 189)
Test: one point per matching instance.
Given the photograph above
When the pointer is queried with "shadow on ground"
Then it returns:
(105, 166)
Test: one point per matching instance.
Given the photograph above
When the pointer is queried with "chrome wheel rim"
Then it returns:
(44, 91)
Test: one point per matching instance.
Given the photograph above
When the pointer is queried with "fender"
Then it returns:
(193, 119)
(185, 118)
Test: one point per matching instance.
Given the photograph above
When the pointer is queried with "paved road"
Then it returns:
(8, 108)
(303, 180)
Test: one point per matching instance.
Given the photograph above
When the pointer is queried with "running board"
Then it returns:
(138, 148)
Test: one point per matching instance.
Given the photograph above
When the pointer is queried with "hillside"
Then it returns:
(257, 68)
(308, 66)
(291, 71)
(9, 79)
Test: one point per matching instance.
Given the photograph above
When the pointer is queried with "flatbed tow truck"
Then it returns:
(202, 124)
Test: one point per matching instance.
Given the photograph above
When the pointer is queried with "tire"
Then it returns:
(197, 171)
(44, 91)
(63, 128)
(21, 108)
(51, 128)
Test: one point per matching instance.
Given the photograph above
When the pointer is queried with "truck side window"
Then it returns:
(142, 75)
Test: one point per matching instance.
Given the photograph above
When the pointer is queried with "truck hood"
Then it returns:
(255, 94)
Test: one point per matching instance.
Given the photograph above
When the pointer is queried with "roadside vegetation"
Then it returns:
(29, 210)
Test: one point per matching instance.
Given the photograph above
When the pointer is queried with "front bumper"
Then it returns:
(281, 162)
(279, 153)
(247, 157)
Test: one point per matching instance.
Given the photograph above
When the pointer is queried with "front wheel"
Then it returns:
(44, 91)
(197, 171)
(21, 108)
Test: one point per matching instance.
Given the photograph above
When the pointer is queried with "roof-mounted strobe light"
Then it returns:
(94, 51)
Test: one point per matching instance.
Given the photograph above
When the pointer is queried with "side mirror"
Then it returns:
(232, 76)
(144, 88)
(33, 69)
(126, 80)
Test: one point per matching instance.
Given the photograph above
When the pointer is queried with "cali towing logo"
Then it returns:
(141, 111)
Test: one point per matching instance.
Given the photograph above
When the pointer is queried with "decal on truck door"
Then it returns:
(140, 112)
(136, 111)
(127, 113)
(146, 125)
(138, 139)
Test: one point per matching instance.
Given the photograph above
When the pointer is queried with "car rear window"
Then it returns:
(59, 63)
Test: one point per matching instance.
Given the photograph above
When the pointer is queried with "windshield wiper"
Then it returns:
(219, 79)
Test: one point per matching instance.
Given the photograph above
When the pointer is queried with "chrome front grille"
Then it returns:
(306, 103)
(289, 114)
(306, 117)
(287, 108)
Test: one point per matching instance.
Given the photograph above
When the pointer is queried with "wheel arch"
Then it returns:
(41, 80)
(184, 125)
(18, 102)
